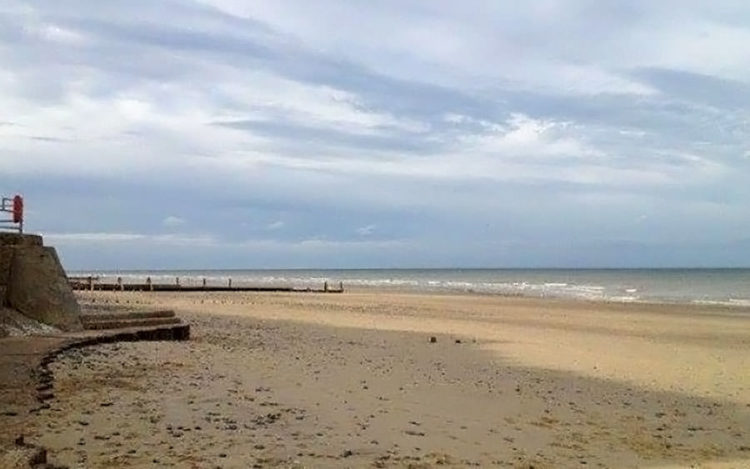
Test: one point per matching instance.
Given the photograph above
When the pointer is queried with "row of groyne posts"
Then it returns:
(92, 283)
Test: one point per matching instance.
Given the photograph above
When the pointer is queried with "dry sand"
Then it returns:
(353, 380)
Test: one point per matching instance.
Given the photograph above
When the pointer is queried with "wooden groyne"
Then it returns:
(95, 284)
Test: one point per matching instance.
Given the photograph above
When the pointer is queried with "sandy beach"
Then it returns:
(375, 234)
(355, 380)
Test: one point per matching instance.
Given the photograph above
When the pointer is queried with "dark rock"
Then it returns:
(38, 457)
(433, 339)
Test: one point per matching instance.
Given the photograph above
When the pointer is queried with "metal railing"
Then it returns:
(14, 206)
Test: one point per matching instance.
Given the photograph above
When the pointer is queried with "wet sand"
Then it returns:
(353, 380)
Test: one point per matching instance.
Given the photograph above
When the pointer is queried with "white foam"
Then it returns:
(623, 299)
(728, 302)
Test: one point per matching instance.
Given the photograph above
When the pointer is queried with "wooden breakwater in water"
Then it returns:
(95, 284)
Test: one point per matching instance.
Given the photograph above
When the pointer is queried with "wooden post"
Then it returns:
(91, 283)
(230, 283)
(341, 286)
(325, 285)
(119, 284)
(204, 283)
(150, 285)
(177, 281)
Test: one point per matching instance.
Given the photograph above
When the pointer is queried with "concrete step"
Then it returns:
(129, 323)
(119, 316)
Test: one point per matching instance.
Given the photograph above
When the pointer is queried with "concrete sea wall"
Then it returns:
(33, 282)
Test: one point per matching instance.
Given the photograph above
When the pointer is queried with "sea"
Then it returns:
(702, 286)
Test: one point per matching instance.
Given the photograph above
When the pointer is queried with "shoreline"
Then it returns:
(654, 286)
(729, 305)
(707, 308)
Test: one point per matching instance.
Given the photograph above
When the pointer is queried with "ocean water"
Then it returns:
(708, 286)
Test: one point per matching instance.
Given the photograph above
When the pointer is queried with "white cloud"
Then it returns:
(519, 149)
(173, 221)
(366, 230)
(529, 138)
(268, 97)
(185, 240)
(92, 237)
(108, 238)
(712, 45)
(55, 34)
(314, 244)
(474, 45)
(277, 225)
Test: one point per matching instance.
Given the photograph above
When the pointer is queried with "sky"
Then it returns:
(187, 134)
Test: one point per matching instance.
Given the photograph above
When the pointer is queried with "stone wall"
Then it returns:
(33, 282)
(9, 242)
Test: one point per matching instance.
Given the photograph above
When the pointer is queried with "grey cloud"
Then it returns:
(164, 36)
(697, 88)
(43, 138)
(664, 121)
(305, 135)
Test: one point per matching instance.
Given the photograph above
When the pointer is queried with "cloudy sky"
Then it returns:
(241, 134)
